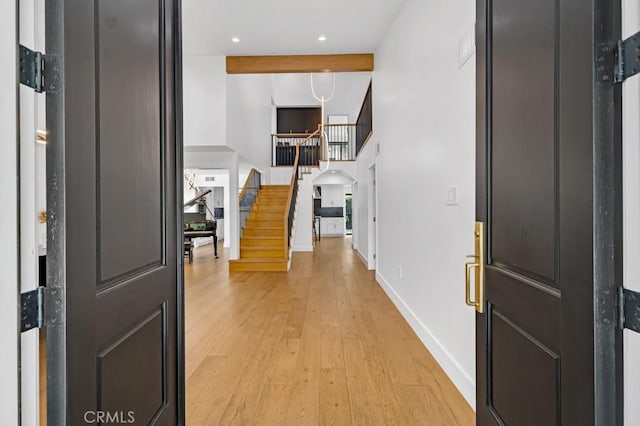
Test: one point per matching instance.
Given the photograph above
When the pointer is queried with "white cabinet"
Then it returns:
(218, 197)
(332, 196)
(332, 226)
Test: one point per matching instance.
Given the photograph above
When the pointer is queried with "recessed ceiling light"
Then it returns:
(235, 40)
(322, 38)
(333, 171)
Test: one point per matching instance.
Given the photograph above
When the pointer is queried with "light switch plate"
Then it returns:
(451, 196)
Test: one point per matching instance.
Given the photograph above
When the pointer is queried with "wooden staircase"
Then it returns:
(263, 245)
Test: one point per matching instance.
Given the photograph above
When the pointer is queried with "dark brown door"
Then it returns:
(113, 165)
(537, 197)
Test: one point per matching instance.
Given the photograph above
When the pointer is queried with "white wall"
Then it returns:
(205, 108)
(249, 118)
(281, 175)
(424, 117)
(631, 216)
(303, 231)
(361, 214)
(336, 175)
(232, 239)
(8, 217)
(350, 88)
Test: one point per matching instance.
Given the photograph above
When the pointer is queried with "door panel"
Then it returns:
(523, 232)
(523, 310)
(130, 144)
(517, 383)
(535, 194)
(114, 163)
(130, 370)
(527, 303)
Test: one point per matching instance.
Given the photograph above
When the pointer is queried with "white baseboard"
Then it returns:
(303, 248)
(363, 258)
(465, 384)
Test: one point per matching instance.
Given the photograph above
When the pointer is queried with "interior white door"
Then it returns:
(373, 226)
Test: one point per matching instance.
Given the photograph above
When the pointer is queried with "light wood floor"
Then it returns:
(321, 344)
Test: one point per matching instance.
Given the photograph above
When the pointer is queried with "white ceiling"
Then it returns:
(285, 26)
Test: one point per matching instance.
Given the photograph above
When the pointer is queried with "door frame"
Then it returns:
(601, 25)
(631, 170)
(354, 214)
(179, 185)
(179, 155)
(372, 240)
(608, 227)
(9, 217)
(31, 104)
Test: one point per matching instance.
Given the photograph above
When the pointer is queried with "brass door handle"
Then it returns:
(478, 263)
(467, 278)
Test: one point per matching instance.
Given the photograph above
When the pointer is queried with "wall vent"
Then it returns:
(209, 178)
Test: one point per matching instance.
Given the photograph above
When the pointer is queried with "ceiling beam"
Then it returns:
(299, 63)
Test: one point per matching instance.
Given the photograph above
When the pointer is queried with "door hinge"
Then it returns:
(629, 309)
(39, 71)
(41, 307)
(616, 62)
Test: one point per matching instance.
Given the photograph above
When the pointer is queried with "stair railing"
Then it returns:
(340, 141)
(248, 196)
(306, 156)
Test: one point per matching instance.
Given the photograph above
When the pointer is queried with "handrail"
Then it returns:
(301, 135)
(246, 184)
(335, 141)
(364, 122)
(248, 196)
(287, 219)
(291, 135)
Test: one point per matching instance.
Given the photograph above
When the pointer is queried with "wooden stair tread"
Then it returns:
(261, 248)
(264, 227)
(259, 260)
(263, 243)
